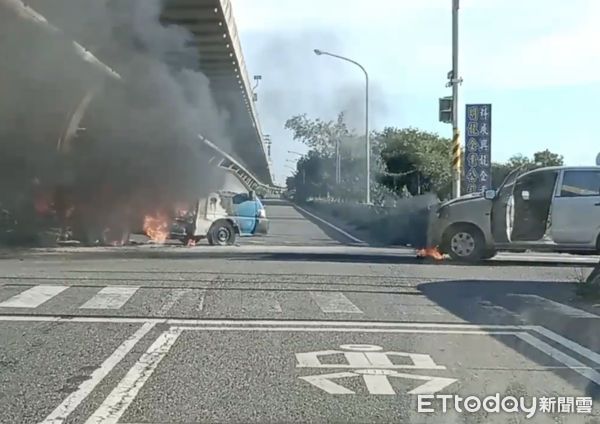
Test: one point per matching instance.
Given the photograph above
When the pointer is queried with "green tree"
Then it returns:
(519, 160)
(540, 159)
(316, 171)
(416, 161)
(317, 134)
(547, 158)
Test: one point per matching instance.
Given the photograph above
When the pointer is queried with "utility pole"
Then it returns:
(367, 137)
(338, 163)
(455, 81)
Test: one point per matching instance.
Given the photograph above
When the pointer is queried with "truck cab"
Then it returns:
(221, 217)
(249, 213)
(208, 219)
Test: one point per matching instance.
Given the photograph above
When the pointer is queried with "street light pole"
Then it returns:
(456, 150)
(367, 140)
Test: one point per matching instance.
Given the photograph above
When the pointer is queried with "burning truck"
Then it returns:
(93, 153)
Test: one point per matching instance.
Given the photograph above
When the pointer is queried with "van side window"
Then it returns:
(240, 198)
(580, 183)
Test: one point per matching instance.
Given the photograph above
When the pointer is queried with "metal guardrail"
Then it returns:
(227, 162)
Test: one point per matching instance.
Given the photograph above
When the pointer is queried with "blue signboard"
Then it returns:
(478, 148)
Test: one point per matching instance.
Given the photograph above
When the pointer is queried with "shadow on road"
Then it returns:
(286, 255)
(505, 302)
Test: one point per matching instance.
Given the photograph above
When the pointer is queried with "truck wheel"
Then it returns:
(465, 243)
(221, 233)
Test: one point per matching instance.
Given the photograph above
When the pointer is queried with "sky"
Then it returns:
(536, 61)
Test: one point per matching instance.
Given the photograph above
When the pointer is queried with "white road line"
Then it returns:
(33, 297)
(352, 330)
(339, 230)
(200, 307)
(273, 323)
(553, 307)
(334, 302)
(546, 259)
(569, 344)
(561, 357)
(72, 401)
(172, 298)
(121, 397)
(110, 298)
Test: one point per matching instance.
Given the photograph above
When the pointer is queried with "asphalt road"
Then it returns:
(304, 325)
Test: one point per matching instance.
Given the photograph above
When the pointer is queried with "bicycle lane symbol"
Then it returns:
(374, 367)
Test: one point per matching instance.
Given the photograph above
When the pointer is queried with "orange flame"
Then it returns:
(430, 252)
(157, 227)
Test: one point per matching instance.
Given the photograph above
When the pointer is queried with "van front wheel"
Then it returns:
(222, 233)
(465, 243)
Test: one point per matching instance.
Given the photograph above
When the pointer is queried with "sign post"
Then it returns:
(478, 147)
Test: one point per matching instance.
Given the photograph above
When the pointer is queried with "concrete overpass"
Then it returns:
(215, 38)
(221, 59)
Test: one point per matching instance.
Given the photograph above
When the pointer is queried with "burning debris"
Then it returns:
(157, 227)
(430, 253)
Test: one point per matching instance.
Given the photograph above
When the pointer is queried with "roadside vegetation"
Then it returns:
(405, 162)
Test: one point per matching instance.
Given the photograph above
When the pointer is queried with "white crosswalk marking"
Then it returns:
(172, 298)
(110, 298)
(33, 297)
(335, 302)
(554, 307)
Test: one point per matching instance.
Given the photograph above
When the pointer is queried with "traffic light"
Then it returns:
(446, 109)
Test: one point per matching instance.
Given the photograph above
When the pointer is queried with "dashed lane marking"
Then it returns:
(332, 302)
(33, 297)
(110, 298)
(173, 297)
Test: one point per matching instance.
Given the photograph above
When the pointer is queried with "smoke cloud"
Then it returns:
(296, 81)
(137, 149)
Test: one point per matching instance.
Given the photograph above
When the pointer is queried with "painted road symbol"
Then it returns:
(374, 366)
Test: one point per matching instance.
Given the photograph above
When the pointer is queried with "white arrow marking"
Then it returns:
(433, 385)
(324, 382)
(377, 382)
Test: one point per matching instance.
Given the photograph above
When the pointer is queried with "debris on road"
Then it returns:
(430, 253)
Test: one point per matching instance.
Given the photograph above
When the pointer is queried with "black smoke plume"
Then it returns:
(135, 151)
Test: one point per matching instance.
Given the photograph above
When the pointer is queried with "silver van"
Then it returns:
(554, 209)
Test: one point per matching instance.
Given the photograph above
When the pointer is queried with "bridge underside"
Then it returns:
(220, 58)
(209, 31)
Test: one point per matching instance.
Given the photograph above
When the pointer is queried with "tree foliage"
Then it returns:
(416, 161)
(540, 159)
(320, 136)
(404, 161)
